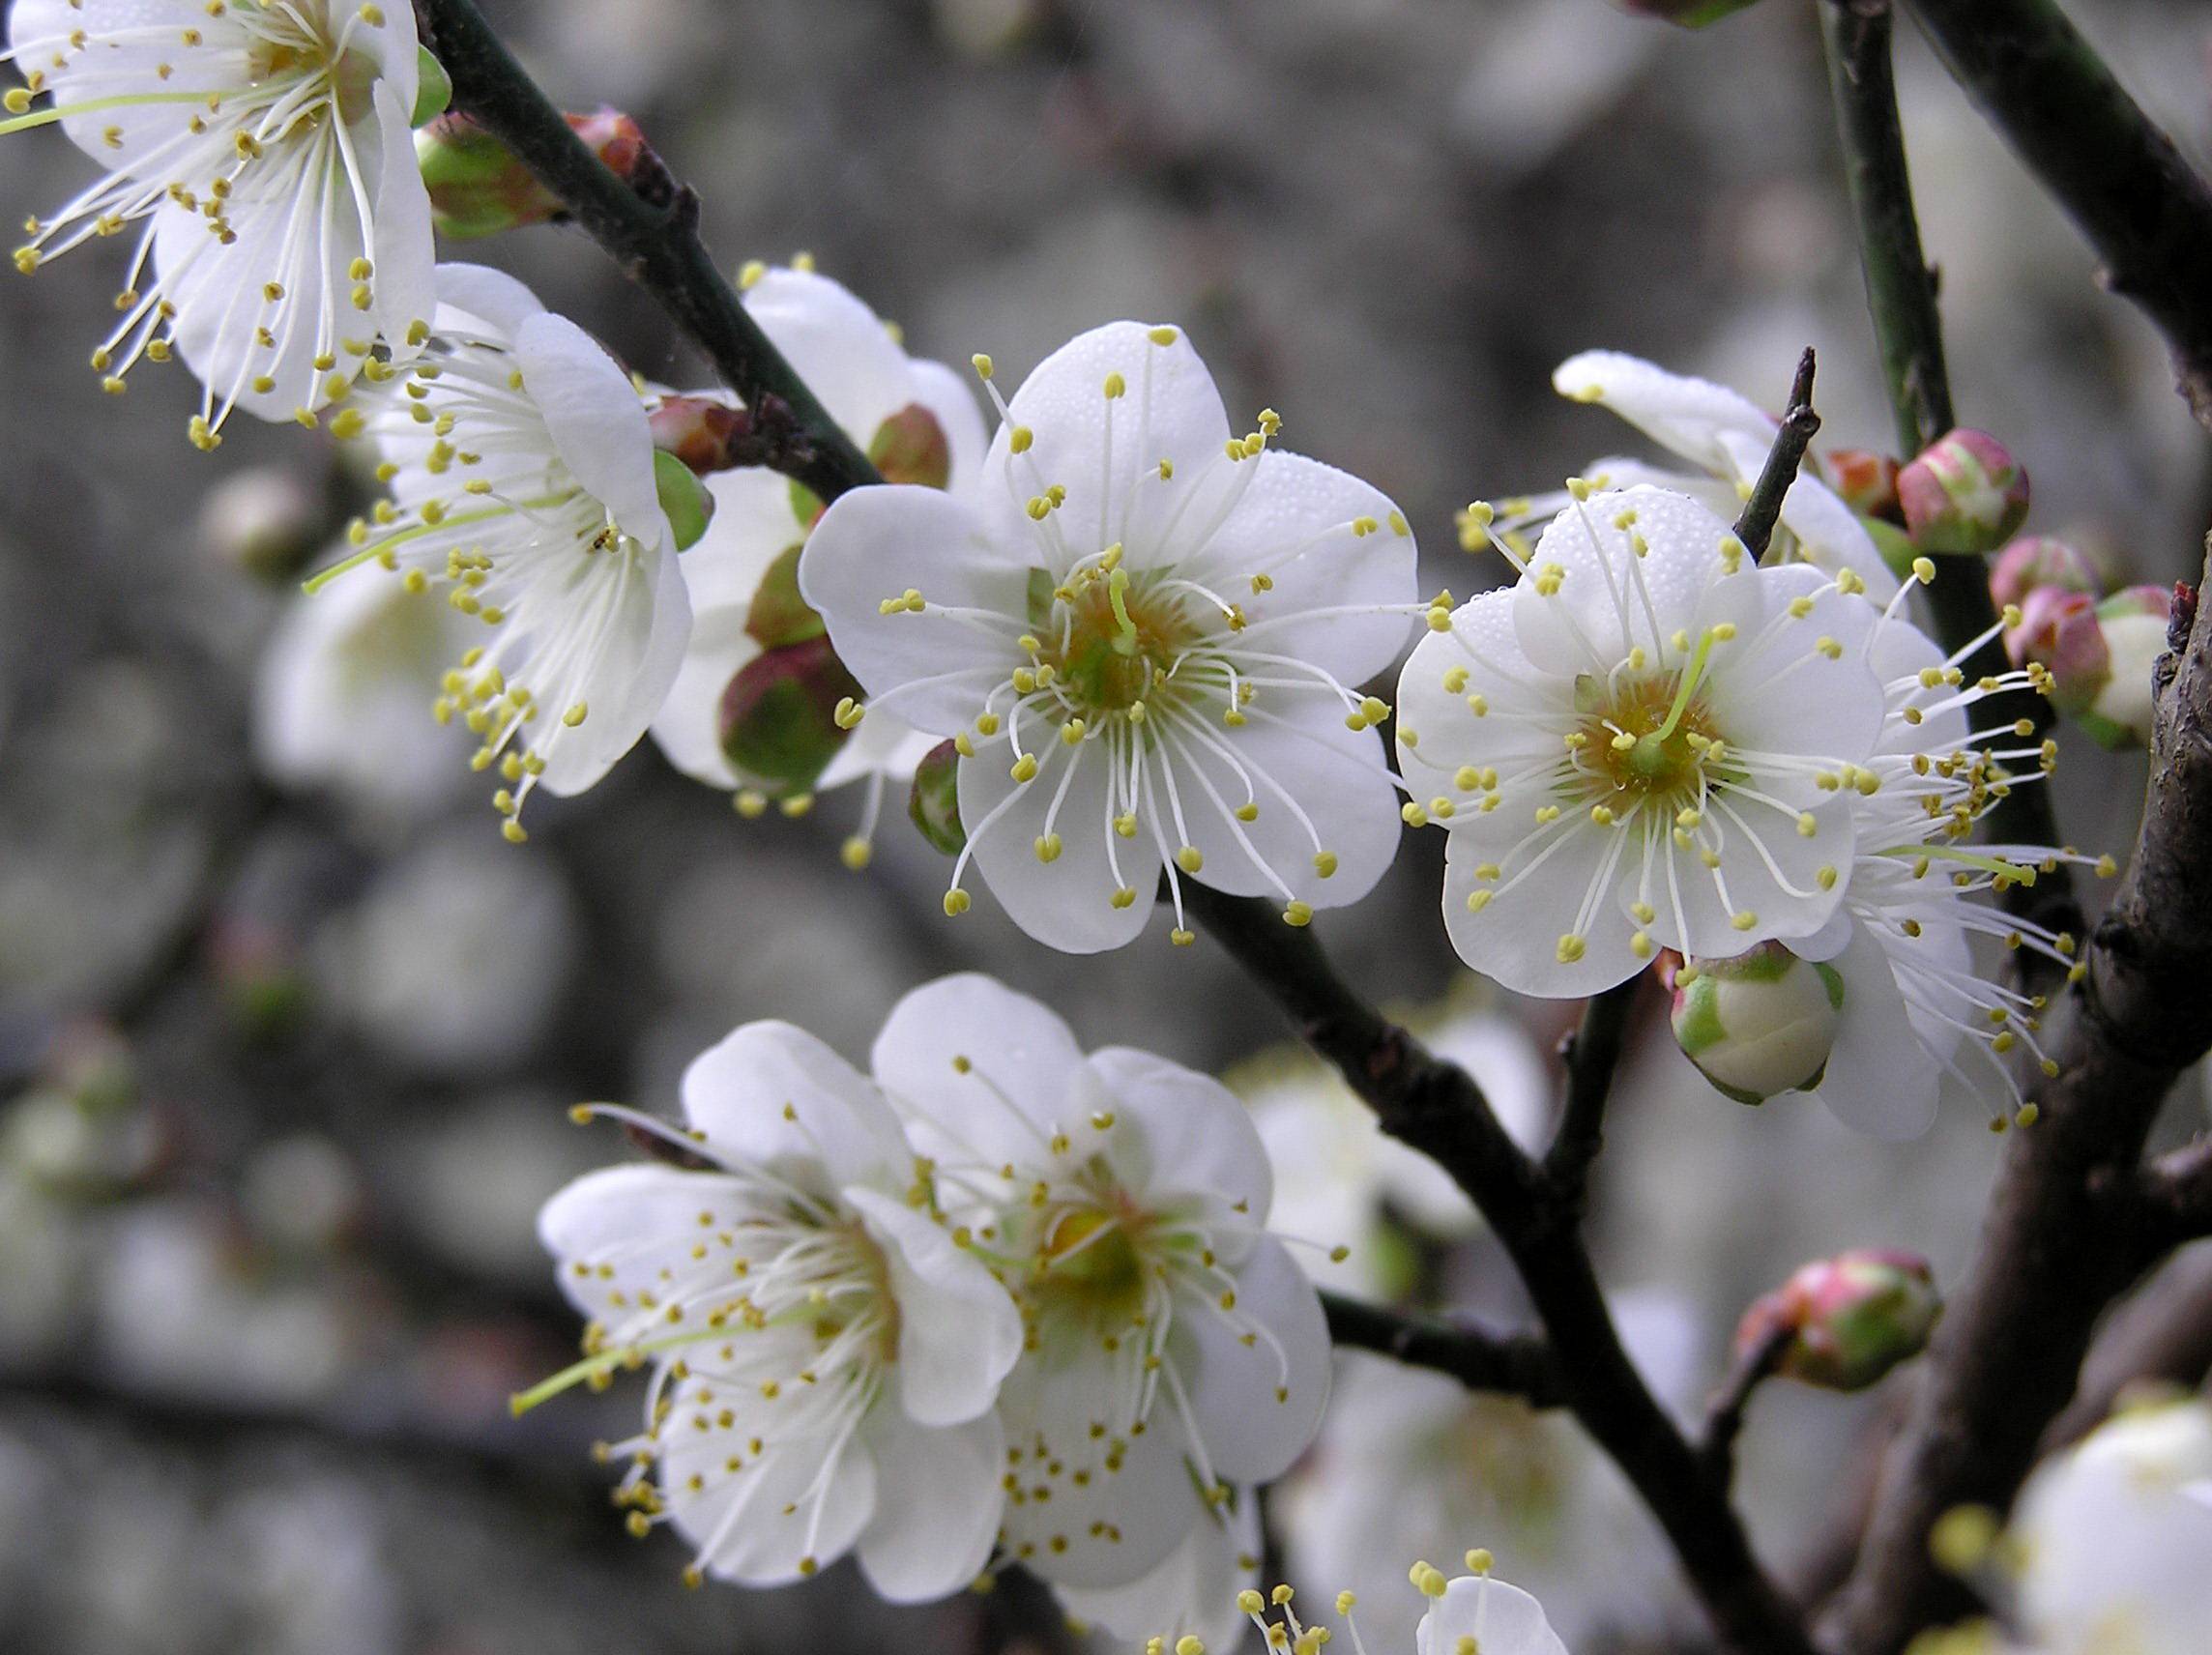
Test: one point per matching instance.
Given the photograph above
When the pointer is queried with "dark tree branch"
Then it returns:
(2162, 1334)
(1900, 295)
(1590, 1054)
(1755, 524)
(651, 228)
(1436, 1108)
(1725, 1411)
(2177, 1195)
(2121, 178)
(1517, 1364)
(2066, 1229)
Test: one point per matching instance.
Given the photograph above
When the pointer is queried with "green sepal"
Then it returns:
(682, 497)
(434, 89)
(778, 615)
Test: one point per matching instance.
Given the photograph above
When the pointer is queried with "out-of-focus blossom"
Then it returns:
(267, 151)
(266, 521)
(2039, 561)
(1144, 636)
(1965, 493)
(2110, 1538)
(1639, 745)
(1841, 1324)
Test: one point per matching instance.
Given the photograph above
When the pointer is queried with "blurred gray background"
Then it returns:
(286, 1076)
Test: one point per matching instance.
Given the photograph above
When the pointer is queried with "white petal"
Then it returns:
(1828, 533)
(40, 30)
(768, 1539)
(1609, 601)
(1169, 411)
(1515, 937)
(1500, 1619)
(1112, 1529)
(688, 727)
(1297, 502)
(1334, 779)
(1066, 903)
(836, 344)
(483, 303)
(1900, 651)
(639, 655)
(875, 543)
(1771, 867)
(1193, 1591)
(640, 1223)
(1479, 663)
(1779, 692)
(1257, 1413)
(1178, 1131)
(752, 525)
(937, 1504)
(1685, 416)
(404, 280)
(1018, 1056)
(1881, 1080)
(883, 745)
(739, 1092)
(596, 420)
(959, 1332)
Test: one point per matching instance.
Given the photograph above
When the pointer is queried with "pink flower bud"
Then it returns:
(2134, 622)
(1965, 494)
(779, 715)
(1866, 481)
(1847, 1320)
(2037, 560)
(935, 802)
(1758, 1024)
(702, 431)
(2060, 629)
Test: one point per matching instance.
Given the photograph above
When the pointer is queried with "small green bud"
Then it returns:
(911, 447)
(1757, 1024)
(935, 802)
(779, 714)
(778, 615)
(682, 497)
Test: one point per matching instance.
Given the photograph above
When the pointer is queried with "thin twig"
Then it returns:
(1762, 507)
(1725, 1412)
(653, 235)
(2065, 1231)
(2121, 178)
(1517, 1364)
(1901, 295)
(1590, 1054)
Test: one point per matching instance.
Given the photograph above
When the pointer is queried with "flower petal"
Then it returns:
(688, 727)
(404, 280)
(639, 653)
(1177, 1131)
(1683, 415)
(1255, 1409)
(1132, 1508)
(775, 1520)
(481, 302)
(969, 1054)
(772, 1093)
(937, 1504)
(1066, 903)
(624, 1230)
(1514, 936)
(959, 1332)
(596, 420)
(935, 666)
(1879, 1080)
(950, 398)
(836, 344)
(1192, 1592)
(1484, 1613)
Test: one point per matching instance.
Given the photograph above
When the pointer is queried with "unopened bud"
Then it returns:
(1847, 1320)
(2134, 622)
(935, 802)
(1965, 494)
(1866, 481)
(1759, 1022)
(267, 522)
(1684, 13)
(2060, 629)
(779, 714)
(701, 431)
(2038, 560)
(911, 447)
(779, 615)
(476, 185)
(683, 498)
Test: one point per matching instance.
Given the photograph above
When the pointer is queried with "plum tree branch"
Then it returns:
(651, 229)
(1519, 1364)
(2068, 1226)
(2118, 177)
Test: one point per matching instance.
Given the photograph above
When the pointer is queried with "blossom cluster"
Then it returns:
(993, 1298)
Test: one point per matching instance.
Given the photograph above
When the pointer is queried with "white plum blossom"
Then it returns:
(1194, 1591)
(2113, 1536)
(340, 693)
(1901, 944)
(523, 489)
(1727, 437)
(266, 149)
(1337, 1171)
(1647, 742)
(825, 1358)
(1475, 1614)
(919, 424)
(1145, 637)
(1172, 1344)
